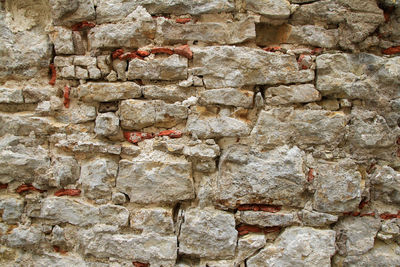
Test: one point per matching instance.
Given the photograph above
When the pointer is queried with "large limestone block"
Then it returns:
(24, 124)
(65, 170)
(105, 92)
(154, 182)
(11, 208)
(115, 10)
(297, 246)
(170, 93)
(274, 9)
(76, 212)
(68, 12)
(313, 35)
(208, 233)
(386, 184)
(282, 94)
(249, 177)
(11, 96)
(25, 236)
(207, 32)
(157, 220)
(230, 66)
(137, 114)
(338, 186)
(171, 68)
(227, 97)
(266, 219)
(302, 127)
(380, 255)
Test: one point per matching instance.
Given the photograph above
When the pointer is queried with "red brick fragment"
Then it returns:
(272, 48)
(67, 90)
(388, 216)
(259, 207)
(130, 55)
(362, 204)
(183, 20)
(170, 133)
(140, 264)
(372, 214)
(53, 74)
(117, 53)
(143, 53)
(67, 192)
(311, 175)
(136, 137)
(59, 250)
(317, 51)
(245, 229)
(184, 51)
(3, 186)
(84, 25)
(391, 50)
(162, 50)
(27, 187)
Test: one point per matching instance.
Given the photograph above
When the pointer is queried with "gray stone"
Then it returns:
(154, 182)
(208, 233)
(94, 73)
(11, 209)
(227, 97)
(65, 12)
(24, 124)
(81, 73)
(156, 220)
(103, 63)
(313, 35)
(65, 171)
(385, 184)
(23, 237)
(297, 246)
(85, 61)
(380, 255)
(313, 218)
(248, 245)
(120, 68)
(202, 151)
(229, 66)
(282, 94)
(149, 248)
(81, 113)
(338, 186)
(57, 260)
(107, 124)
(274, 9)
(35, 94)
(302, 127)
(105, 92)
(58, 236)
(207, 32)
(137, 114)
(266, 219)
(118, 198)
(356, 235)
(171, 68)
(214, 127)
(273, 177)
(76, 212)
(115, 10)
(11, 96)
(169, 93)
(62, 40)
(98, 178)
(67, 72)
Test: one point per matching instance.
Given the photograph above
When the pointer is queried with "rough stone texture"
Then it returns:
(11, 208)
(65, 171)
(291, 94)
(274, 177)
(69, 12)
(167, 92)
(11, 96)
(227, 97)
(105, 92)
(154, 182)
(62, 39)
(266, 219)
(171, 68)
(208, 233)
(158, 220)
(386, 184)
(313, 218)
(313, 35)
(107, 124)
(276, 9)
(297, 246)
(227, 66)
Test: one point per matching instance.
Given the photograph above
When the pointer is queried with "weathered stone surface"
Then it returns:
(24, 236)
(338, 186)
(202, 151)
(76, 212)
(380, 255)
(11, 209)
(266, 219)
(98, 178)
(81, 113)
(208, 233)
(363, 76)
(386, 184)
(120, 68)
(171, 68)
(282, 94)
(248, 245)
(207, 32)
(56, 259)
(65, 171)
(313, 218)
(105, 92)
(313, 35)
(154, 182)
(214, 127)
(129, 34)
(157, 220)
(24, 124)
(11, 96)
(107, 124)
(226, 66)
(302, 127)
(70, 12)
(148, 248)
(297, 246)
(248, 177)
(227, 97)
(356, 235)
(115, 10)
(169, 93)
(274, 9)
(62, 40)
(137, 114)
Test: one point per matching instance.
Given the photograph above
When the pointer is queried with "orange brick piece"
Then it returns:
(67, 192)
(162, 50)
(184, 51)
(391, 50)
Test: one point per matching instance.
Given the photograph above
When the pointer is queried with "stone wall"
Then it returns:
(199, 133)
